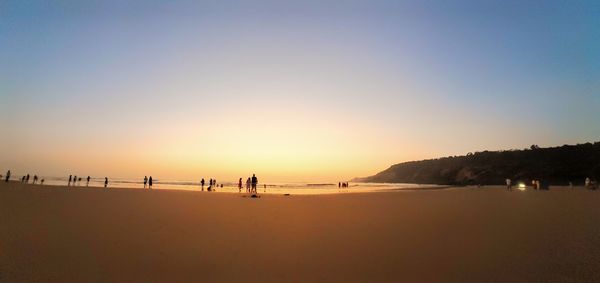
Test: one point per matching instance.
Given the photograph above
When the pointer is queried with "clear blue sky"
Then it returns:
(305, 89)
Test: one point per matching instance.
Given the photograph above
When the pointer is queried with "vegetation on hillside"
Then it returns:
(556, 165)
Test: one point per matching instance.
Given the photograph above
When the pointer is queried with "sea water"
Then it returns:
(303, 188)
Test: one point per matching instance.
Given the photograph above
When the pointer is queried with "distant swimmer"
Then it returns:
(254, 182)
(145, 181)
(7, 176)
(150, 183)
(105, 182)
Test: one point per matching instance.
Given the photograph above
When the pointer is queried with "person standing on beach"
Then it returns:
(87, 184)
(27, 179)
(254, 182)
(248, 184)
(105, 182)
(70, 177)
(150, 183)
(35, 178)
(202, 184)
(587, 182)
(145, 181)
(75, 181)
(7, 176)
(240, 185)
(508, 184)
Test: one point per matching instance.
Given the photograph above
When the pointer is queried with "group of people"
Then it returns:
(24, 179)
(251, 184)
(540, 185)
(77, 181)
(212, 184)
(591, 184)
(342, 184)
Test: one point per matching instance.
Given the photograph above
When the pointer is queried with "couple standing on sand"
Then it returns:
(148, 181)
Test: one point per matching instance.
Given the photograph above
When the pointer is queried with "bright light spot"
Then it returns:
(522, 186)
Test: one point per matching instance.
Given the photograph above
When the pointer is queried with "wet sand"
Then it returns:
(461, 234)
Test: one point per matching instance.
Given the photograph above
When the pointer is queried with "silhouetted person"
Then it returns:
(210, 183)
(588, 182)
(42, 182)
(23, 179)
(254, 182)
(240, 185)
(79, 181)
(215, 182)
(70, 177)
(87, 184)
(27, 179)
(202, 184)
(105, 182)
(150, 182)
(248, 184)
(339, 184)
(35, 179)
(75, 181)
(7, 176)
(265, 188)
(145, 181)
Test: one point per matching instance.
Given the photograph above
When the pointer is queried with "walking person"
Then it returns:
(105, 182)
(202, 184)
(240, 185)
(248, 184)
(27, 179)
(7, 176)
(35, 178)
(508, 184)
(70, 177)
(145, 181)
(150, 183)
(87, 184)
(254, 182)
(75, 181)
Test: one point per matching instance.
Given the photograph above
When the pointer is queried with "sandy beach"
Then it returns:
(64, 234)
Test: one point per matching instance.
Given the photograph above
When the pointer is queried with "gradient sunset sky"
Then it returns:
(289, 90)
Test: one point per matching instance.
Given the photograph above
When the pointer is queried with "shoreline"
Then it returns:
(332, 191)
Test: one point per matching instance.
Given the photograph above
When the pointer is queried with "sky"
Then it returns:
(290, 90)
